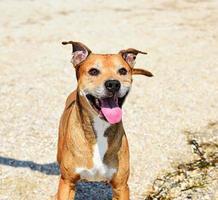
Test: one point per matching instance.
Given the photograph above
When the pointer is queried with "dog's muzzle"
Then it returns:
(112, 85)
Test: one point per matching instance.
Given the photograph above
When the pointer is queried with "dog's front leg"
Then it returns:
(120, 192)
(119, 181)
(66, 190)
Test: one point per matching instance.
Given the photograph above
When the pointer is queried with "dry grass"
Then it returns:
(197, 179)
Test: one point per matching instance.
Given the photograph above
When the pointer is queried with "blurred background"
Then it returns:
(163, 115)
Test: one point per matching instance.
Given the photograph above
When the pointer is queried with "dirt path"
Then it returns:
(181, 38)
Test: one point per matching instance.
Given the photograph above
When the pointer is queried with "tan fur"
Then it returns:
(144, 72)
(77, 135)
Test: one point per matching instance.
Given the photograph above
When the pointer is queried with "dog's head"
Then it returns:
(104, 80)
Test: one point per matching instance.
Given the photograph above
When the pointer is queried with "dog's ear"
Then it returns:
(137, 71)
(79, 52)
(129, 55)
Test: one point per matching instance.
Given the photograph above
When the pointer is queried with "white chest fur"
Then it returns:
(100, 171)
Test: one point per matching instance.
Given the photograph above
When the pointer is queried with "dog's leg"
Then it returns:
(120, 179)
(66, 190)
(121, 192)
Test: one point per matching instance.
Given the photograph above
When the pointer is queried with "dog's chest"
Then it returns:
(99, 171)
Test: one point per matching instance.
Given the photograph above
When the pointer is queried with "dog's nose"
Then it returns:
(112, 85)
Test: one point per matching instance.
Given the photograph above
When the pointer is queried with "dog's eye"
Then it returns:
(122, 71)
(94, 72)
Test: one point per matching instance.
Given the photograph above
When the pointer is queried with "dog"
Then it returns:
(92, 144)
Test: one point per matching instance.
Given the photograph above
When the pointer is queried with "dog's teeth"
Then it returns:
(97, 102)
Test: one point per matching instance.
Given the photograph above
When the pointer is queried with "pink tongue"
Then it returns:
(111, 110)
(113, 115)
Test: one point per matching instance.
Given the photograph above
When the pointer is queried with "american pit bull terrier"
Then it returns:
(92, 143)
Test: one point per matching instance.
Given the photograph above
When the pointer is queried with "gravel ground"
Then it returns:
(196, 179)
(36, 76)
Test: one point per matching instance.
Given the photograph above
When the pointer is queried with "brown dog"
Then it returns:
(92, 143)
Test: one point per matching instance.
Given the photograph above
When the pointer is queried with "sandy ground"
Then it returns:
(36, 76)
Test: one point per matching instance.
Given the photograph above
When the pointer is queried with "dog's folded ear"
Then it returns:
(137, 71)
(129, 55)
(79, 52)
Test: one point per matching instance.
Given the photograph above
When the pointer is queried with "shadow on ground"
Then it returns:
(48, 169)
(84, 190)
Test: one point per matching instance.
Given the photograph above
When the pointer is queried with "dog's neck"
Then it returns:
(93, 126)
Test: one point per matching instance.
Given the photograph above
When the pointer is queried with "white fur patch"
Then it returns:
(100, 171)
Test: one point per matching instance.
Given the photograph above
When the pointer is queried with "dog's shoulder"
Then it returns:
(70, 99)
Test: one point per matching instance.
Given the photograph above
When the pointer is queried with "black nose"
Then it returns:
(112, 85)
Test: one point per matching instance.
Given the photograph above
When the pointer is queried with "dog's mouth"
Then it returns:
(110, 108)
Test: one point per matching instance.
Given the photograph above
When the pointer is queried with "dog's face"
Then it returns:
(104, 80)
